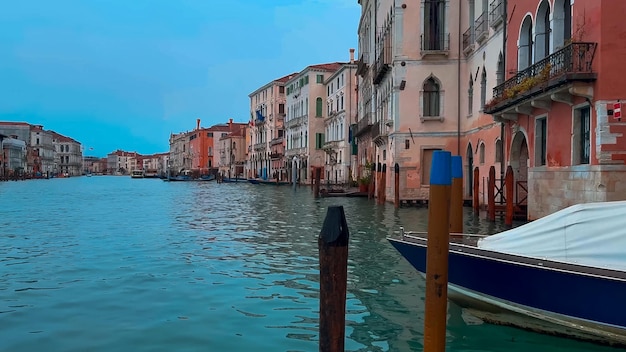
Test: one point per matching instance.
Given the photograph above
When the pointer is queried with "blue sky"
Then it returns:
(124, 74)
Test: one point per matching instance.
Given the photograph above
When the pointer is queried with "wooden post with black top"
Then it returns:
(333, 253)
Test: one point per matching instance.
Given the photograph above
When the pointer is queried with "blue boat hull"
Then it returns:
(589, 302)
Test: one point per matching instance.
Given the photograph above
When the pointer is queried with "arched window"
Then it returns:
(483, 88)
(318, 107)
(499, 151)
(525, 50)
(481, 153)
(431, 97)
(542, 31)
(500, 71)
(470, 96)
(562, 27)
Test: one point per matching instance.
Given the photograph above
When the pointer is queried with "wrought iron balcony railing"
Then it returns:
(295, 121)
(496, 12)
(276, 141)
(362, 66)
(363, 125)
(435, 42)
(571, 63)
(468, 38)
(381, 66)
(482, 29)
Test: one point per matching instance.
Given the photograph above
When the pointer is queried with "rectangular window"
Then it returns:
(319, 140)
(281, 108)
(581, 144)
(320, 79)
(281, 89)
(306, 79)
(434, 24)
(427, 158)
(209, 134)
(541, 145)
(407, 144)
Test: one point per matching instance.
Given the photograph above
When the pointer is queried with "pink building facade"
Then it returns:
(561, 135)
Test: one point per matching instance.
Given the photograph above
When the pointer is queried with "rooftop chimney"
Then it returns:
(351, 56)
(197, 124)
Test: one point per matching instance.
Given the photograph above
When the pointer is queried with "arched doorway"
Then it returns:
(469, 185)
(519, 164)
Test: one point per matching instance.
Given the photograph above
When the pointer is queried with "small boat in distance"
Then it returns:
(137, 174)
(564, 274)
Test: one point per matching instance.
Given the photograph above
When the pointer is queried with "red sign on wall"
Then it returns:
(617, 110)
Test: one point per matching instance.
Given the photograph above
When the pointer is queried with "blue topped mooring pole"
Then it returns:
(437, 253)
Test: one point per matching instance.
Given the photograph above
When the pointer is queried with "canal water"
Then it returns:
(111, 263)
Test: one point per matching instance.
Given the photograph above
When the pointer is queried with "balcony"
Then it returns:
(482, 29)
(330, 146)
(259, 147)
(435, 44)
(381, 66)
(468, 41)
(550, 79)
(361, 68)
(276, 155)
(363, 125)
(379, 133)
(276, 141)
(496, 13)
(293, 122)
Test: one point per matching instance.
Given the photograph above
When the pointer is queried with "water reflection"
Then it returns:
(104, 263)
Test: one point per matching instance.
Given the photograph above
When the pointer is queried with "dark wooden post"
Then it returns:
(383, 184)
(436, 303)
(476, 191)
(491, 198)
(372, 187)
(396, 186)
(456, 197)
(378, 180)
(333, 252)
(317, 171)
(509, 181)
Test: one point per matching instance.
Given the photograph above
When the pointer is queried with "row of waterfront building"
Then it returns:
(532, 85)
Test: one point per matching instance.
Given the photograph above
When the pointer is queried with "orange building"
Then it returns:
(202, 142)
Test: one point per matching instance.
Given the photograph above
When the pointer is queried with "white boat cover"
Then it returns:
(592, 234)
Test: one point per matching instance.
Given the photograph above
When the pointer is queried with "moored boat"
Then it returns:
(564, 274)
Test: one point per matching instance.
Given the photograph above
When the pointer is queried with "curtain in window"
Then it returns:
(431, 98)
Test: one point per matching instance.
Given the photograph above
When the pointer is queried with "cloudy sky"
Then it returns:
(124, 74)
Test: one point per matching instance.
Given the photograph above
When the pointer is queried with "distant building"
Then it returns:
(232, 153)
(341, 114)
(304, 123)
(69, 155)
(267, 142)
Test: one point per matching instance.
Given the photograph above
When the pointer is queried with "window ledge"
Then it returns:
(431, 118)
(469, 116)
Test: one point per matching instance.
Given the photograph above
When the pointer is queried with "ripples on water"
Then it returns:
(116, 264)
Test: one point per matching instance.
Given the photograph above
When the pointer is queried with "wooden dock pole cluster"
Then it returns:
(476, 192)
(333, 253)
(437, 253)
(509, 182)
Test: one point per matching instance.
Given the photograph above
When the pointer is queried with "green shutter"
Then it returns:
(306, 79)
(318, 107)
(320, 78)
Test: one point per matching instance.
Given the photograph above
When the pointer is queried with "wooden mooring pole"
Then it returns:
(333, 253)
(456, 197)
(476, 192)
(437, 253)
(317, 171)
(509, 182)
(383, 183)
(491, 198)
(396, 184)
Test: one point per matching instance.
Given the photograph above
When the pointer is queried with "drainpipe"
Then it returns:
(502, 145)
(458, 86)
